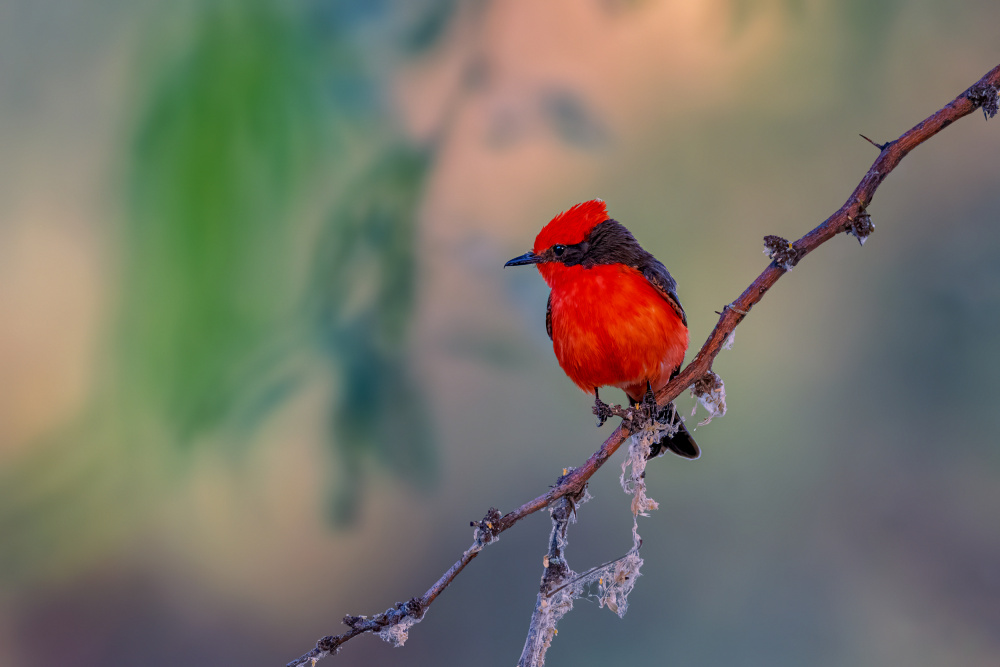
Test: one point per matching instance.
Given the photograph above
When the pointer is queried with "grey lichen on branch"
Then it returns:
(609, 584)
(985, 96)
(487, 529)
(558, 589)
(861, 227)
(710, 391)
(851, 218)
(782, 252)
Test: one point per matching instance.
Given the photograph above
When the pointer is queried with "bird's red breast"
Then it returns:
(610, 327)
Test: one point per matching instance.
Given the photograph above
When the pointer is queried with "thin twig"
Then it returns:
(881, 147)
(851, 217)
(843, 220)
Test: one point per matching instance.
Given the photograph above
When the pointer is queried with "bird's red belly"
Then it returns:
(610, 327)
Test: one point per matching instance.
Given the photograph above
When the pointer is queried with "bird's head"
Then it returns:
(563, 242)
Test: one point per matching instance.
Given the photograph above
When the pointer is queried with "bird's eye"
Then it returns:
(558, 250)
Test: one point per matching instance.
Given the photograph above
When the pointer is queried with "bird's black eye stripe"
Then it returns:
(558, 249)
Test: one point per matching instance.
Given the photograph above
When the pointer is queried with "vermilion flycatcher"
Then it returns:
(613, 314)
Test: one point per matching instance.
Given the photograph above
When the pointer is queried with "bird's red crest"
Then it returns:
(571, 227)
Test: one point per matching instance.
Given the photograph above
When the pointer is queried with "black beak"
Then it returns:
(526, 258)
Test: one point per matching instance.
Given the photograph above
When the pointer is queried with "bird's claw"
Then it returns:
(641, 415)
(647, 411)
(603, 411)
(649, 397)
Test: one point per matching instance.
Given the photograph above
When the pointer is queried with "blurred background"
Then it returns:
(260, 364)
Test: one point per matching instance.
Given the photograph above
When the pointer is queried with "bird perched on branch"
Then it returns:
(613, 314)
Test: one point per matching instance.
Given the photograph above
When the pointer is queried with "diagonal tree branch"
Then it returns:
(851, 218)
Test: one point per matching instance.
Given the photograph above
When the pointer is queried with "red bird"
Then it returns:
(613, 314)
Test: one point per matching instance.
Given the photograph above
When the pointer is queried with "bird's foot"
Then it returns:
(649, 397)
(605, 411)
(646, 411)
(641, 415)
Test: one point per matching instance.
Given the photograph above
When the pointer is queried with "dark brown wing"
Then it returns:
(610, 243)
(548, 317)
(660, 278)
(680, 443)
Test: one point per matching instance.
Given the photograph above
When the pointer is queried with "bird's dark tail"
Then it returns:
(680, 443)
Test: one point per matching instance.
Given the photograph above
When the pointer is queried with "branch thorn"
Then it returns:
(881, 147)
